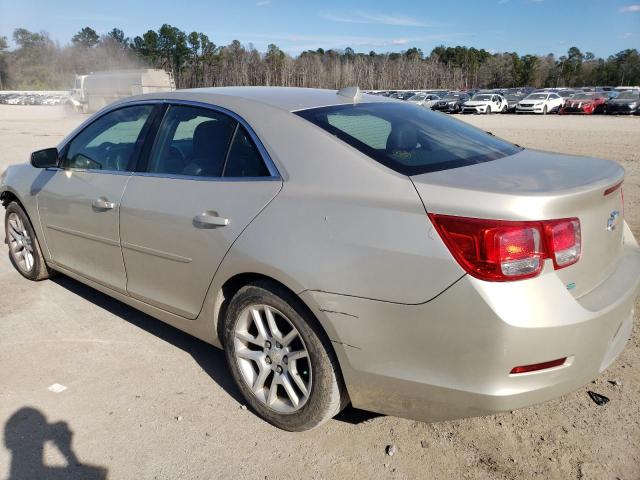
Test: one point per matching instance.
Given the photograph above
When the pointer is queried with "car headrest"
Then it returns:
(210, 138)
(402, 137)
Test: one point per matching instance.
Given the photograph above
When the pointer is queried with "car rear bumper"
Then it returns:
(451, 357)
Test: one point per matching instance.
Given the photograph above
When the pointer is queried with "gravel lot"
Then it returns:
(144, 400)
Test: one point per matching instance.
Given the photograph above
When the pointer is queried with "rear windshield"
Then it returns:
(407, 138)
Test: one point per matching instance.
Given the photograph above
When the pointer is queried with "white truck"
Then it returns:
(93, 91)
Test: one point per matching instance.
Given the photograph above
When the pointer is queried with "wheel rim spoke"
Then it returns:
(273, 391)
(255, 355)
(273, 327)
(259, 323)
(299, 382)
(260, 379)
(290, 337)
(248, 338)
(293, 396)
(297, 355)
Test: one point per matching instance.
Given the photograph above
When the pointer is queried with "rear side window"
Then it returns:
(244, 159)
(192, 141)
(407, 138)
(200, 142)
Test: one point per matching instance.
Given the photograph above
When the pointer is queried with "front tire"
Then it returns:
(280, 358)
(544, 110)
(24, 249)
(488, 110)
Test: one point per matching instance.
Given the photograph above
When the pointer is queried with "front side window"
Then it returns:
(110, 143)
(409, 139)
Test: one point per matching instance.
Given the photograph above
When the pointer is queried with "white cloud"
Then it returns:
(379, 18)
(295, 44)
(630, 9)
(629, 35)
(262, 3)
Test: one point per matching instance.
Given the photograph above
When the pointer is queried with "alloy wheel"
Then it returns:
(20, 243)
(273, 358)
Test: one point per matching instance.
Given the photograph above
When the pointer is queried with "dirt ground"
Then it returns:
(143, 400)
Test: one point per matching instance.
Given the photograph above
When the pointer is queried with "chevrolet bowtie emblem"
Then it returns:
(612, 223)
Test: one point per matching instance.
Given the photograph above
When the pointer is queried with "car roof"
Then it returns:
(284, 98)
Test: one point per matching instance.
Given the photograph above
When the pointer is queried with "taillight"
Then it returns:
(499, 250)
(565, 241)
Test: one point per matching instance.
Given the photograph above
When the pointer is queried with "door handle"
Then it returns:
(210, 220)
(103, 204)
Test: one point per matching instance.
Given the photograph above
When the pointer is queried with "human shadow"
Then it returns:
(25, 435)
(212, 360)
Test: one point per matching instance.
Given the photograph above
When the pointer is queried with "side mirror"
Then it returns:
(47, 158)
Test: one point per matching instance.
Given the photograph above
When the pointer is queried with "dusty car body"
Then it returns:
(423, 268)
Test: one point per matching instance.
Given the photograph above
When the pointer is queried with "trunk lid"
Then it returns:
(533, 185)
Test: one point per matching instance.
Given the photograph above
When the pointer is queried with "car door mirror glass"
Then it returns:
(47, 158)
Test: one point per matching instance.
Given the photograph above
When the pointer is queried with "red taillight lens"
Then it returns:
(498, 250)
(565, 241)
(519, 251)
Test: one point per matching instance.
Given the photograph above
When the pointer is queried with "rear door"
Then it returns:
(80, 202)
(206, 178)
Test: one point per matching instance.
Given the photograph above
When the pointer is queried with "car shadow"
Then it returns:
(211, 359)
(355, 416)
(25, 435)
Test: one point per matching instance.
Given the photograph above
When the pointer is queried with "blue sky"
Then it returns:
(525, 26)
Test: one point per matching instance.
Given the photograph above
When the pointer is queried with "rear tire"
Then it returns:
(504, 109)
(24, 249)
(265, 327)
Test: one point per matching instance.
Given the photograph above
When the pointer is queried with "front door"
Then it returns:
(80, 203)
(206, 179)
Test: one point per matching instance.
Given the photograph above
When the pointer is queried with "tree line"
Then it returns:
(37, 62)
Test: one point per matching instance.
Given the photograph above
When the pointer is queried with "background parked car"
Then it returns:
(486, 103)
(624, 103)
(451, 103)
(540, 102)
(585, 103)
(403, 95)
(566, 94)
(424, 99)
(512, 100)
